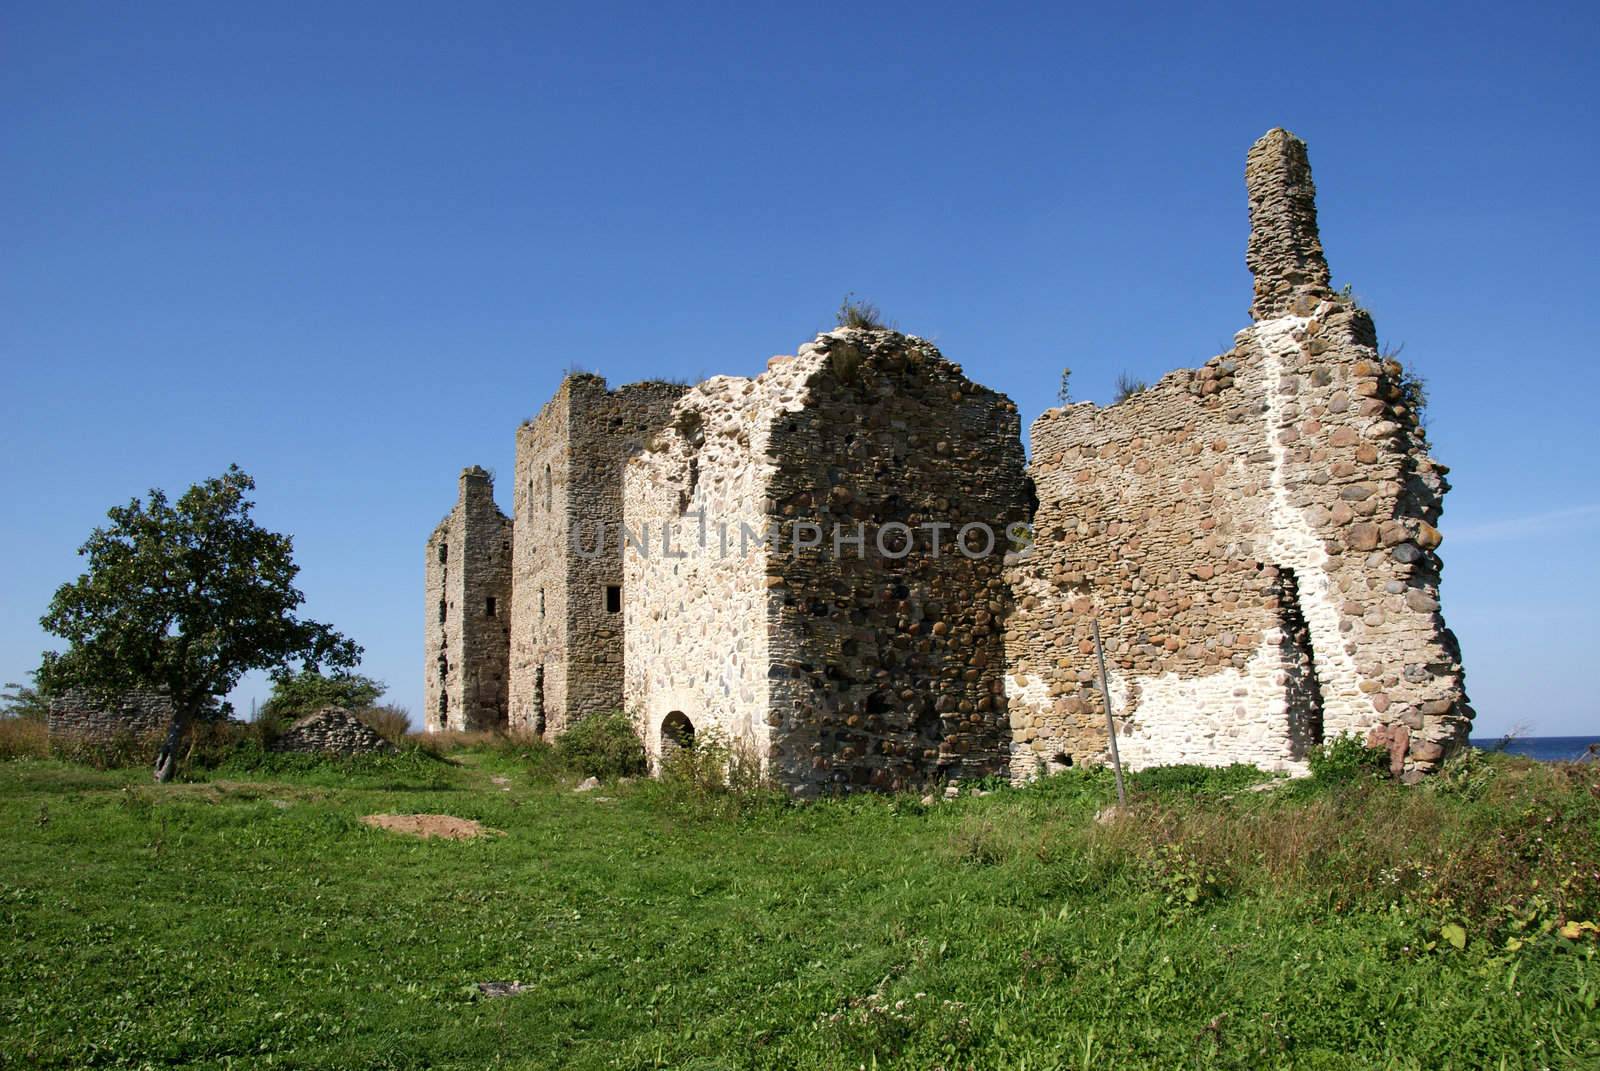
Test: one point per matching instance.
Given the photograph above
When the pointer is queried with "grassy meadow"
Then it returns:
(247, 918)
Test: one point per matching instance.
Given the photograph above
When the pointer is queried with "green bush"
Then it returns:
(1196, 779)
(602, 745)
(1346, 759)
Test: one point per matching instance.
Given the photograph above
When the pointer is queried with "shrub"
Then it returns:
(712, 764)
(602, 745)
(1346, 759)
(1196, 779)
(389, 721)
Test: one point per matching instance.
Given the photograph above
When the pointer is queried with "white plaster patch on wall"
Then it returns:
(1293, 543)
(1219, 719)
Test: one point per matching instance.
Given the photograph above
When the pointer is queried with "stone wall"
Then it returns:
(567, 642)
(1256, 537)
(841, 665)
(82, 716)
(332, 730)
(467, 593)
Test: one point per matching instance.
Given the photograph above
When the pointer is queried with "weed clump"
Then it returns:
(1127, 386)
(854, 312)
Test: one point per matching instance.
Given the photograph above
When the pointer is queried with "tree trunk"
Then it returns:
(167, 758)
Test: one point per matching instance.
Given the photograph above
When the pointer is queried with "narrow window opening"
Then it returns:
(541, 602)
(548, 488)
(538, 700)
(443, 611)
(444, 553)
(488, 606)
(613, 598)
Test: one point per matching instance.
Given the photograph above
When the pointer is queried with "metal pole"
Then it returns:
(1111, 725)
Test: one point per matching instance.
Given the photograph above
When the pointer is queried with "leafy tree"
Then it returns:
(29, 702)
(185, 597)
(295, 695)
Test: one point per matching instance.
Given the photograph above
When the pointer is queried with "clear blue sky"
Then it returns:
(351, 246)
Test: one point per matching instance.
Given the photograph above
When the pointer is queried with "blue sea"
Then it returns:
(1543, 748)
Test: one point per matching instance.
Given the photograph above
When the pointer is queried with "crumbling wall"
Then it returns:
(840, 665)
(567, 615)
(332, 730)
(1256, 537)
(467, 595)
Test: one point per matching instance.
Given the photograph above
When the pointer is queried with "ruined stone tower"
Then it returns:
(857, 646)
(1256, 537)
(468, 596)
(566, 604)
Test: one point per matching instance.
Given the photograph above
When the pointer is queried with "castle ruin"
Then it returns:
(828, 563)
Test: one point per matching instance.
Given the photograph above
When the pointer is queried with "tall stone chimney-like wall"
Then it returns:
(468, 611)
(1285, 251)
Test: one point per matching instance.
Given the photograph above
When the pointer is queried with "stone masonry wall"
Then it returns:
(567, 647)
(1257, 538)
(467, 595)
(79, 715)
(845, 669)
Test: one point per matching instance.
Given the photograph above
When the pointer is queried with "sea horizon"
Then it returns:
(1543, 748)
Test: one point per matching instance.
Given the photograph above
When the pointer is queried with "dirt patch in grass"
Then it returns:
(431, 825)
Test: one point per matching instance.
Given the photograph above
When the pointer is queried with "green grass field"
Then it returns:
(252, 921)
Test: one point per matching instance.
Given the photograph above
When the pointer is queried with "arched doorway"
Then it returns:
(677, 733)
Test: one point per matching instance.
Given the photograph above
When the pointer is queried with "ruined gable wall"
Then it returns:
(465, 650)
(697, 625)
(1256, 536)
(889, 672)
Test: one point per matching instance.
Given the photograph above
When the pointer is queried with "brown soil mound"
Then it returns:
(431, 825)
